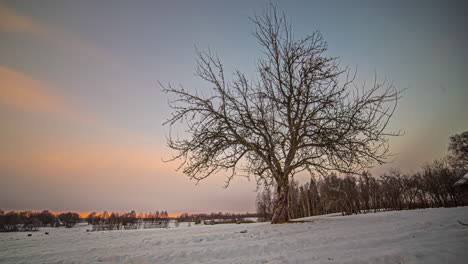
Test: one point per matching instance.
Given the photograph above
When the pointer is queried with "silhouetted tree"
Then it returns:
(11, 221)
(47, 218)
(92, 218)
(365, 189)
(303, 112)
(69, 219)
(315, 200)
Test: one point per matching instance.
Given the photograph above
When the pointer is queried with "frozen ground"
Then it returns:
(417, 236)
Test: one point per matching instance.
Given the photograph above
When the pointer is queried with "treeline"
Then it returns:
(130, 220)
(112, 221)
(220, 217)
(431, 187)
(95, 218)
(31, 221)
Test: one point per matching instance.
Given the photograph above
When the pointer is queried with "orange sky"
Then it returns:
(82, 113)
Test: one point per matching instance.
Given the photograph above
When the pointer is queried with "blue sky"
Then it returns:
(82, 113)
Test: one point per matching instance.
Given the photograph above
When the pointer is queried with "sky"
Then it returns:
(81, 111)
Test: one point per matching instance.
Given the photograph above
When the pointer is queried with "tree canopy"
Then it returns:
(302, 112)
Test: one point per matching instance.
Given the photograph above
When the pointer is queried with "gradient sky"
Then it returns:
(81, 113)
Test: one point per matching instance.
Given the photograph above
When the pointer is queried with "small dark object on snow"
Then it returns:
(243, 232)
(29, 234)
(46, 233)
(461, 223)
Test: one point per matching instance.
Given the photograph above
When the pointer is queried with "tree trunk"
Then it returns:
(280, 211)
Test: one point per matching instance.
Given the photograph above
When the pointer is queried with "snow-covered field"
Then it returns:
(417, 236)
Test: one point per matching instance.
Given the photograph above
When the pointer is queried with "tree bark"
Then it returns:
(280, 211)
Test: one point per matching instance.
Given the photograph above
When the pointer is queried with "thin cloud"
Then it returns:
(87, 158)
(19, 91)
(13, 21)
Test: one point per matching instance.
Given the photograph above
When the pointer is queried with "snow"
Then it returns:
(416, 236)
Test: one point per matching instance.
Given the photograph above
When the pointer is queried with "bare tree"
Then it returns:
(303, 112)
(458, 151)
(69, 219)
(264, 204)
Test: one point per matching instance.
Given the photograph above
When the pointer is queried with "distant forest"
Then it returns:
(32, 221)
(432, 186)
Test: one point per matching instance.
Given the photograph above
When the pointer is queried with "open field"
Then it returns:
(417, 236)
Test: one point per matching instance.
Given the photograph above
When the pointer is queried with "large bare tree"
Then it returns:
(302, 112)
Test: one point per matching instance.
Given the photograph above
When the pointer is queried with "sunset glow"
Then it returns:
(82, 112)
